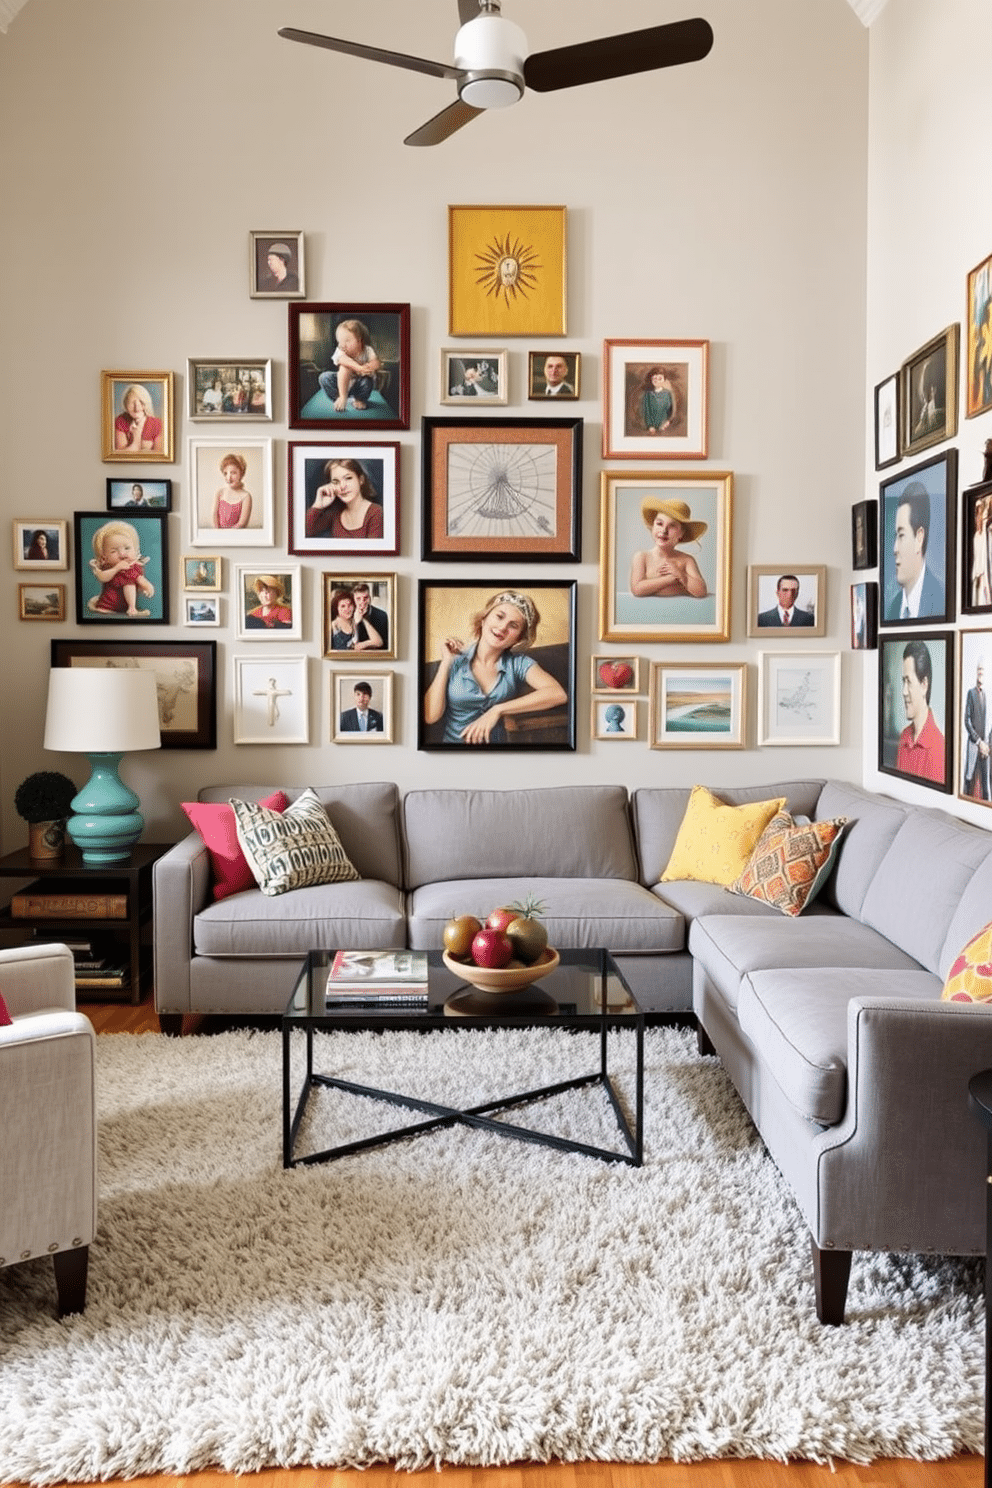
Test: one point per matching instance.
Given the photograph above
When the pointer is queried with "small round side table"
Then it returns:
(980, 1100)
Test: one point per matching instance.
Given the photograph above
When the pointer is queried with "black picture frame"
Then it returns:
(185, 674)
(932, 486)
(888, 422)
(139, 495)
(450, 607)
(976, 549)
(936, 758)
(312, 343)
(864, 616)
(864, 535)
(152, 533)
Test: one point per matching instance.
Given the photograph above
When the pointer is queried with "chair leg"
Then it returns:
(70, 1278)
(831, 1272)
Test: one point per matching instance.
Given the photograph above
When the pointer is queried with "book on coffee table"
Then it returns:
(393, 976)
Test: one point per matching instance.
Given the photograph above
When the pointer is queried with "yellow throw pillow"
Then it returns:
(715, 841)
(970, 978)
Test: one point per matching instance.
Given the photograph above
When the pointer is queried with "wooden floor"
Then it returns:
(958, 1472)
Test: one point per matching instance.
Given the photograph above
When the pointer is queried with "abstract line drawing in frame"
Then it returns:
(888, 429)
(798, 697)
(271, 701)
(185, 679)
(698, 705)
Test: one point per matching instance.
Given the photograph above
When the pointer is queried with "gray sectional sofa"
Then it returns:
(830, 1024)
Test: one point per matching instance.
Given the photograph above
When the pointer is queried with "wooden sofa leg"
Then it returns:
(703, 1043)
(831, 1272)
(71, 1267)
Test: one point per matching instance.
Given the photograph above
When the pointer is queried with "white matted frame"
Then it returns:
(698, 705)
(275, 614)
(206, 462)
(613, 720)
(41, 542)
(197, 611)
(799, 697)
(974, 768)
(271, 700)
(655, 400)
(471, 379)
(618, 673)
(345, 728)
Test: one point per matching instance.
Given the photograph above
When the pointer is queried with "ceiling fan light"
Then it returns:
(490, 90)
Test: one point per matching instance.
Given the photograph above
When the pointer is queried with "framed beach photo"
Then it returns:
(664, 563)
(699, 705)
(791, 598)
(655, 400)
(223, 388)
(506, 271)
(122, 569)
(496, 664)
(41, 601)
(276, 268)
(143, 495)
(359, 616)
(362, 707)
(201, 610)
(978, 322)
(916, 708)
(916, 526)
(41, 542)
(976, 549)
(470, 378)
(344, 498)
(230, 492)
(798, 697)
(553, 374)
(616, 673)
(185, 680)
(138, 421)
(349, 366)
(271, 700)
(864, 616)
(888, 428)
(864, 534)
(974, 716)
(613, 720)
(498, 487)
(204, 571)
(268, 602)
(928, 393)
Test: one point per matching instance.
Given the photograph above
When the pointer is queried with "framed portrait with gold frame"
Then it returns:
(506, 271)
(928, 393)
(138, 420)
(979, 333)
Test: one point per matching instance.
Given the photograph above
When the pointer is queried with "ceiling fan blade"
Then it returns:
(468, 10)
(444, 124)
(618, 56)
(373, 54)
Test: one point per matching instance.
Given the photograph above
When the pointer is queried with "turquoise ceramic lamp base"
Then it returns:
(106, 823)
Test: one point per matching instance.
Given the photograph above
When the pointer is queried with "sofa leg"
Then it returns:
(70, 1278)
(703, 1043)
(171, 1024)
(831, 1272)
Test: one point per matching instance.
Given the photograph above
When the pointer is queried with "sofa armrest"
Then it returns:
(37, 978)
(180, 889)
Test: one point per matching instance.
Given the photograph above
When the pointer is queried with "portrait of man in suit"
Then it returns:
(554, 375)
(362, 718)
(919, 592)
(976, 728)
(785, 612)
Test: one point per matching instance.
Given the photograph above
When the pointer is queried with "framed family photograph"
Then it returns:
(41, 542)
(928, 385)
(979, 332)
(344, 498)
(798, 697)
(616, 674)
(781, 597)
(203, 571)
(916, 522)
(702, 705)
(122, 569)
(276, 268)
(138, 421)
(664, 564)
(496, 664)
(362, 707)
(614, 721)
(864, 534)
(916, 708)
(271, 700)
(506, 271)
(974, 716)
(41, 601)
(230, 492)
(359, 615)
(479, 376)
(553, 374)
(349, 366)
(976, 549)
(864, 617)
(201, 609)
(269, 602)
(655, 400)
(185, 680)
(508, 488)
(143, 495)
(888, 427)
(221, 388)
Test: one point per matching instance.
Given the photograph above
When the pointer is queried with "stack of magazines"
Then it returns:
(377, 978)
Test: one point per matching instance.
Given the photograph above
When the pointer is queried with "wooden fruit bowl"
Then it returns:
(504, 978)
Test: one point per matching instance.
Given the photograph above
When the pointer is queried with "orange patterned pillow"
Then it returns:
(970, 978)
(791, 862)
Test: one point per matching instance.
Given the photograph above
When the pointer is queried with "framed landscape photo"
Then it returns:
(976, 549)
(979, 333)
(553, 374)
(204, 571)
(864, 617)
(143, 495)
(344, 498)
(41, 542)
(864, 534)
(122, 569)
(916, 538)
(497, 487)
(185, 679)
(928, 392)
(276, 267)
(271, 700)
(614, 721)
(616, 673)
(798, 697)
(506, 271)
(362, 707)
(224, 388)
(974, 716)
(664, 564)
(230, 492)
(916, 708)
(888, 428)
(138, 420)
(359, 616)
(473, 377)
(268, 602)
(41, 601)
(201, 609)
(523, 633)
(349, 366)
(699, 705)
(655, 400)
(791, 598)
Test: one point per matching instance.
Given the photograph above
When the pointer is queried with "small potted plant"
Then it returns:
(44, 800)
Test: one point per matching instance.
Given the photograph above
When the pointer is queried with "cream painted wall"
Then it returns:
(139, 146)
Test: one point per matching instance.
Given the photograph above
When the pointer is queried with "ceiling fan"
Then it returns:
(492, 68)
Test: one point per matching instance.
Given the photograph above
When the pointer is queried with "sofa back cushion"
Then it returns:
(873, 822)
(971, 913)
(554, 832)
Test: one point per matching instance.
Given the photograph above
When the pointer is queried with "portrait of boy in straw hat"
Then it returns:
(662, 570)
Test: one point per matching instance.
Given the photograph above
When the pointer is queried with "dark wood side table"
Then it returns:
(132, 877)
(980, 1098)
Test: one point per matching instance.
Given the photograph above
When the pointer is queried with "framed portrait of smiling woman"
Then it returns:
(344, 498)
(137, 416)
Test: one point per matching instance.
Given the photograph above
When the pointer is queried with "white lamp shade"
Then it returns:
(102, 710)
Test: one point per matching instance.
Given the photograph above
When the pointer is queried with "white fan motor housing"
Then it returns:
(492, 51)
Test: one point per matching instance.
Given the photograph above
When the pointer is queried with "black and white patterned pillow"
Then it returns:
(291, 849)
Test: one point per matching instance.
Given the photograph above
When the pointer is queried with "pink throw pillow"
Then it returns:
(216, 825)
(5, 1018)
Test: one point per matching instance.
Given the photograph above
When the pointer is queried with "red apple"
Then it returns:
(491, 948)
(500, 918)
(616, 673)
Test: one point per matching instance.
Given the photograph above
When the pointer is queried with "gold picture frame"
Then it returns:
(507, 271)
(138, 420)
(928, 393)
(698, 705)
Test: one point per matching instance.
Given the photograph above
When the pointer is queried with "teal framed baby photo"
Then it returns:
(122, 568)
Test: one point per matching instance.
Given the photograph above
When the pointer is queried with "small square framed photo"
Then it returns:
(616, 674)
(199, 610)
(473, 378)
(976, 549)
(614, 720)
(349, 366)
(271, 700)
(979, 333)
(787, 598)
(122, 569)
(916, 708)
(864, 534)
(864, 616)
(553, 374)
(699, 705)
(974, 715)
(798, 697)
(269, 602)
(203, 571)
(230, 492)
(359, 616)
(362, 707)
(655, 400)
(41, 601)
(41, 542)
(916, 541)
(143, 495)
(138, 420)
(276, 269)
(222, 388)
(928, 393)
(888, 429)
(344, 498)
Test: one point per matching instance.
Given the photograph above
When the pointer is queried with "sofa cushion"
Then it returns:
(971, 914)
(214, 820)
(358, 915)
(874, 822)
(292, 849)
(791, 862)
(715, 840)
(970, 977)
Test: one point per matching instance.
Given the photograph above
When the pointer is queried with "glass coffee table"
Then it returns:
(589, 993)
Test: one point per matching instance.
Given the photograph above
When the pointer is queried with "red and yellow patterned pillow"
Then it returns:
(5, 1018)
(970, 978)
(791, 862)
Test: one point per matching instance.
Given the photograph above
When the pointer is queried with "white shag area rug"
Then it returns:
(460, 1297)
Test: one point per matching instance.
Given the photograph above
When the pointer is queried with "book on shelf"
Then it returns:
(375, 971)
(105, 980)
(66, 901)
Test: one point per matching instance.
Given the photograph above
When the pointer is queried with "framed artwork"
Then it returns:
(978, 319)
(701, 705)
(480, 376)
(928, 387)
(664, 563)
(508, 488)
(616, 674)
(137, 416)
(359, 613)
(271, 700)
(798, 697)
(143, 495)
(506, 271)
(915, 708)
(276, 268)
(553, 374)
(344, 498)
(122, 569)
(793, 598)
(655, 400)
(230, 492)
(976, 549)
(185, 678)
(888, 427)
(916, 522)
(974, 716)
(864, 616)
(614, 721)
(362, 707)
(269, 602)
(521, 633)
(201, 611)
(203, 571)
(41, 601)
(41, 542)
(864, 534)
(222, 388)
(349, 366)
